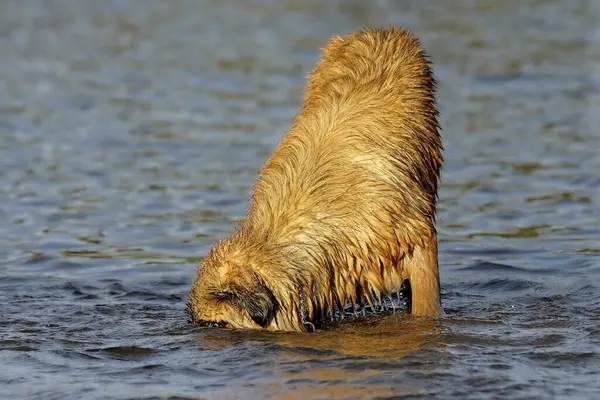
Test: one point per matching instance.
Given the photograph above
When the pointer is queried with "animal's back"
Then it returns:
(362, 160)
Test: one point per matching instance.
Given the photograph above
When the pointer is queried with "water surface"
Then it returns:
(131, 134)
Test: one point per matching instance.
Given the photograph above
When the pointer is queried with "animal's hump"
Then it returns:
(387, 55)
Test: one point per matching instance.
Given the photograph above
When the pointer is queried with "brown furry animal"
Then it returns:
(344, 209)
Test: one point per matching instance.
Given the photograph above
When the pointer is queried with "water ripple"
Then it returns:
(131, 138)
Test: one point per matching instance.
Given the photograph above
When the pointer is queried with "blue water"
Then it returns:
(130, 137)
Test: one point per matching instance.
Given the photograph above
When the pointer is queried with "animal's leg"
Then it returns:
(422, 272)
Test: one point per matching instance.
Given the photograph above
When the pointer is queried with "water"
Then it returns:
(131, 133)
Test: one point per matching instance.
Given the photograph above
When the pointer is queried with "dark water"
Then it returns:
(131, 133)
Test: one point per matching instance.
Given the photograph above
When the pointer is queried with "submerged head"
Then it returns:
(243, 285)
(229, 292)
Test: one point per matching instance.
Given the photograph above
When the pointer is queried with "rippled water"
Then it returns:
(131, 133)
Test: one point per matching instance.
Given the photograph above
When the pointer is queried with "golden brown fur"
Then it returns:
(344, 209)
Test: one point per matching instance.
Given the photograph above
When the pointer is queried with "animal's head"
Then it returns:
(244, 287)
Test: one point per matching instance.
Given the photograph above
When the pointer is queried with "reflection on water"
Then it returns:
(131, 134)
(394, 341)
(389, 337)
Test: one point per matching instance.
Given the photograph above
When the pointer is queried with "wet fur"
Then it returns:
(344, 209)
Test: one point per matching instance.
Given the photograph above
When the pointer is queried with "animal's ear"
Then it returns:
(258, 301)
